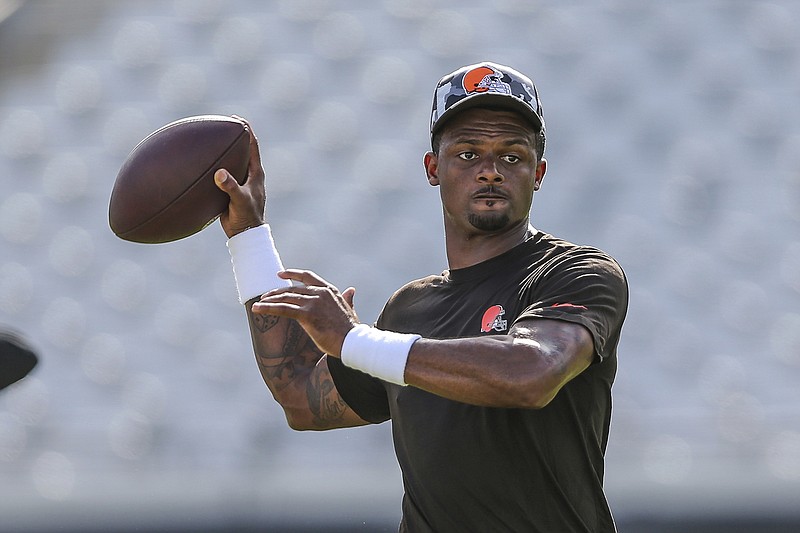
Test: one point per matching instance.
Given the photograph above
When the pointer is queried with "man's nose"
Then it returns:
(489, 173)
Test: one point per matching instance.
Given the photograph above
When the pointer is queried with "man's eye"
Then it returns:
(510, 158)
(467, 156)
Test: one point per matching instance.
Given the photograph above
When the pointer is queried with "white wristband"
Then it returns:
(255, 262)
(382, 354)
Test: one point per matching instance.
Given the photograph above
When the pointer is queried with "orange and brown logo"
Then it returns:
(485, 79)
(493, 319)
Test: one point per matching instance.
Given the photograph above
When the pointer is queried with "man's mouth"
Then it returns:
(490, 195)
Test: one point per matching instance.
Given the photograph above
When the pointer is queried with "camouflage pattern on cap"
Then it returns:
(487, 84)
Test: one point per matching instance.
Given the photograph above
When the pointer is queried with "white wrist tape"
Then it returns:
(382, 354)
(255, 262)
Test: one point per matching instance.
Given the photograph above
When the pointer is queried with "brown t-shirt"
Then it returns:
(472, 468)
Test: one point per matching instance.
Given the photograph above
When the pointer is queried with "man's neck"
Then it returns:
(465, 250)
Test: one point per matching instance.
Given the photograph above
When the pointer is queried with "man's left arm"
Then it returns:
(523, 369)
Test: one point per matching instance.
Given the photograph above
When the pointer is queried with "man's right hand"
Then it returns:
(247, 201)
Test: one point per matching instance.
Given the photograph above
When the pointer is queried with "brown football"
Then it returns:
(165, 190)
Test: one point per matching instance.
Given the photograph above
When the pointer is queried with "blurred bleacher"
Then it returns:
(673, 144)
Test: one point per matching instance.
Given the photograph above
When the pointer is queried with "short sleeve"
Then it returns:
(364, 394)
(587, 287)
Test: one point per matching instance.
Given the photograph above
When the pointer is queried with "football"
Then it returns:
(165, 189)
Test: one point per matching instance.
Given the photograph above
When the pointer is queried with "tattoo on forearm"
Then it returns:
(324, 402)
(264, 323)
(281, 370)
(296, 353)
(296, 339)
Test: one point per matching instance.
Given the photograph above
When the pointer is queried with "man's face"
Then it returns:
(487, 169)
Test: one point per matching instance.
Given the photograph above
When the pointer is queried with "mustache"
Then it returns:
(491, 190)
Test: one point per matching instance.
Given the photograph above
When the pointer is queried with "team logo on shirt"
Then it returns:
(493, 319)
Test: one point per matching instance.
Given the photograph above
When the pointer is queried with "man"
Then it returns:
(497, 373)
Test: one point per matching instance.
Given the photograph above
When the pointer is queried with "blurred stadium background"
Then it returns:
(673, 143)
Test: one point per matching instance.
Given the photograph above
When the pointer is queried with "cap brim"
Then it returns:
(491, 100)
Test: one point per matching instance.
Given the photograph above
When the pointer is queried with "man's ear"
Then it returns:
(431, 162)
(541, 169)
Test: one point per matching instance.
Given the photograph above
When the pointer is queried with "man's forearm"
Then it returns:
(296, 373)
(283, 351)
(524, 369)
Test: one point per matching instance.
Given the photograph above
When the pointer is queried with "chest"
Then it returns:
(489, 307)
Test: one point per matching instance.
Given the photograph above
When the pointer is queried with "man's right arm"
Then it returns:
(293, 368)
(296, 372)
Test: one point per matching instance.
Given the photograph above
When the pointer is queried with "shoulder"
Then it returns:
(411, 302)
(415, 288)
(561, 253)
(561, 266)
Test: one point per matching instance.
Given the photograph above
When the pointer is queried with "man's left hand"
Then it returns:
(326, 314)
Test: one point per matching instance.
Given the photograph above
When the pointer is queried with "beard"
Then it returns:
(489, 222)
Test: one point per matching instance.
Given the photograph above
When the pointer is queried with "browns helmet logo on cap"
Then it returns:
(484, 79)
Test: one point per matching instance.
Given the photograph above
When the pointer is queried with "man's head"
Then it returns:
(487, 170)
(487, 85)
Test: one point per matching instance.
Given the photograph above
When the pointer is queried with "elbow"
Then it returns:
(296, 422)
(532, 394)
(531, 398)
(294, 426)
(538, 400)
(304, 420)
